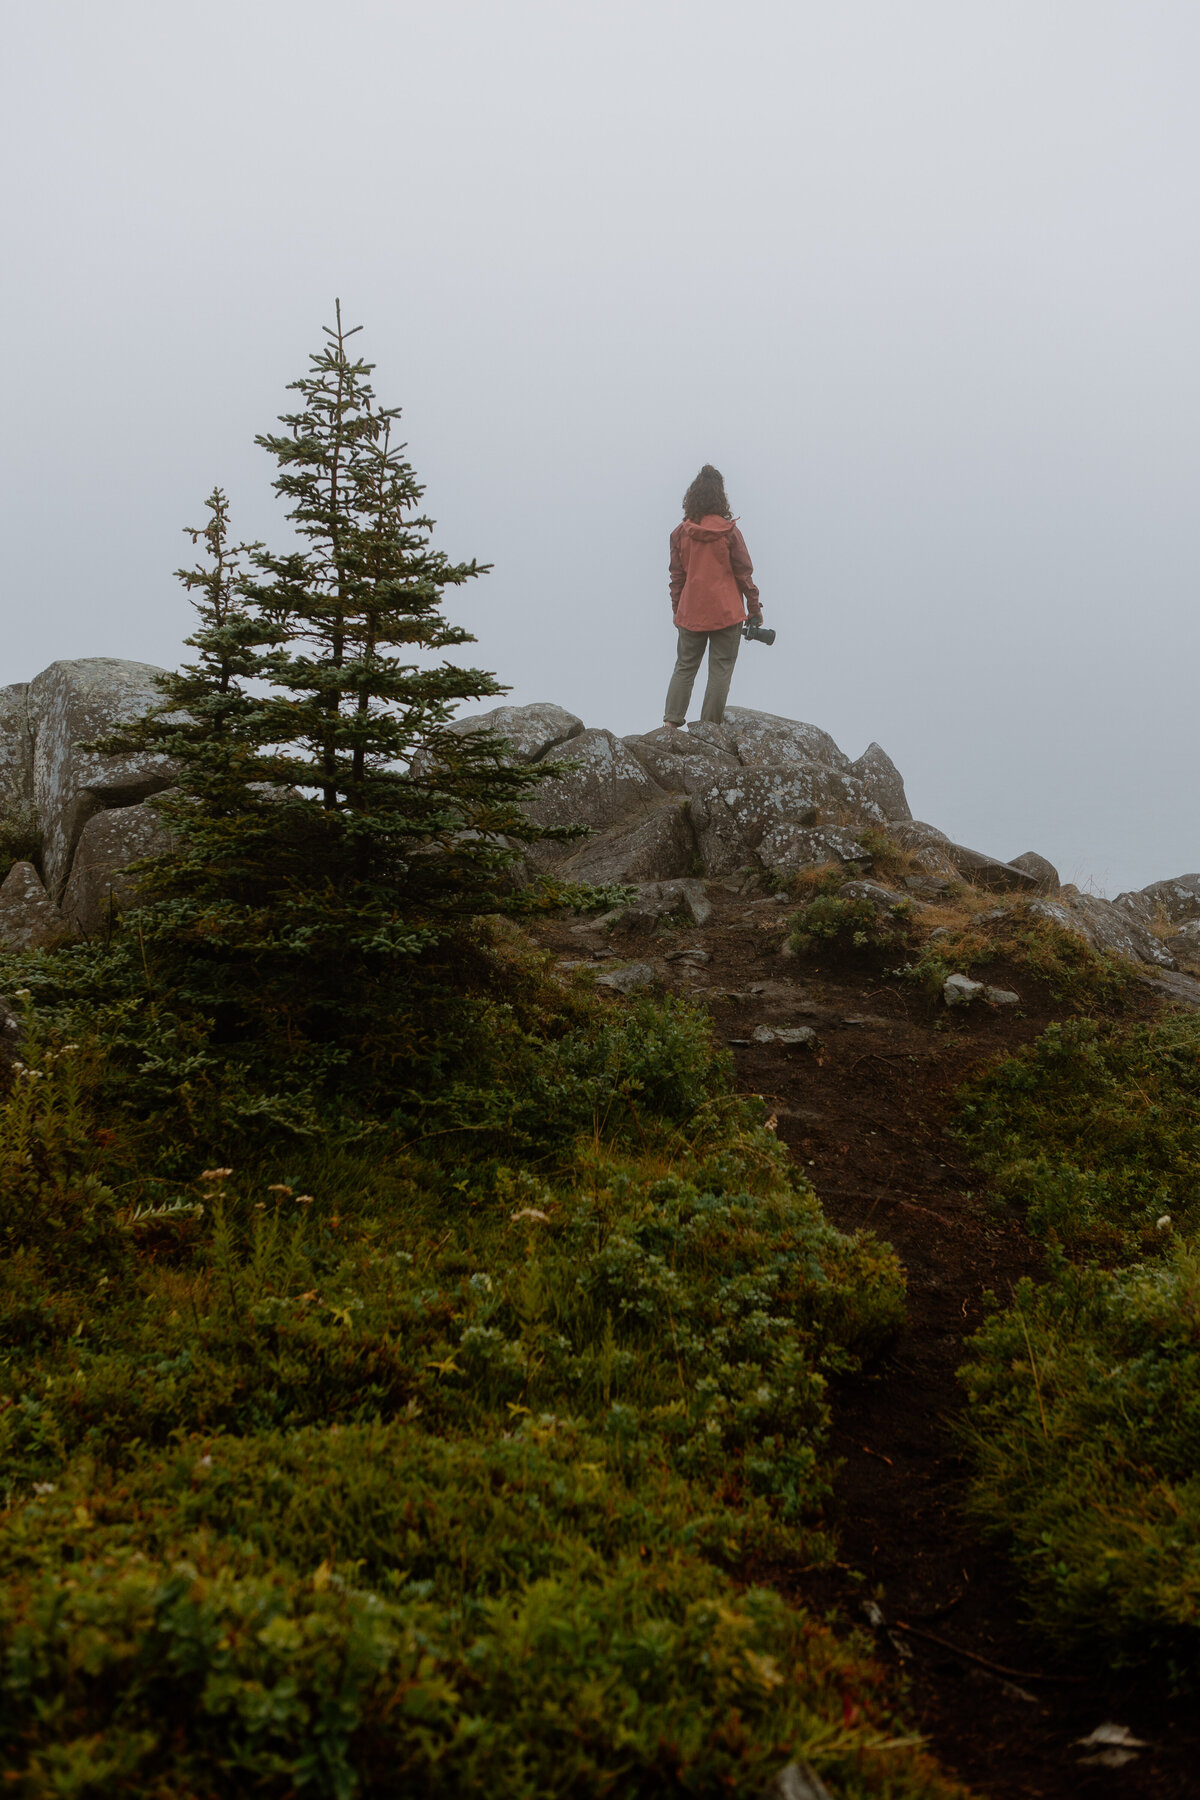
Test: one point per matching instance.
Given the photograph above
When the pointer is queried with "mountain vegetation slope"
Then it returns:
(475, 1323)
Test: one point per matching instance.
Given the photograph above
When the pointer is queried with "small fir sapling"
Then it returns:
(329, 824)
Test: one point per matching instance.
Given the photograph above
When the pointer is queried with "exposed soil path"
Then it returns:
(867, 1118)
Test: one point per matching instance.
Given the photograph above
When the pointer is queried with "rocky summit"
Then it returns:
(759, 798)
(753, 800)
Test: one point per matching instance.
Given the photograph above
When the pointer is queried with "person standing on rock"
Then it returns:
(712, 595)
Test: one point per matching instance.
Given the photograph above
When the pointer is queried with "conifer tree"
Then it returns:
(328, 825)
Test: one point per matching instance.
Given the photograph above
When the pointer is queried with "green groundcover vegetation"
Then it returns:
(1084, 1393)
(428, 1463)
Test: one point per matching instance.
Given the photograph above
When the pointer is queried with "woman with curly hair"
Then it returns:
(712, 594)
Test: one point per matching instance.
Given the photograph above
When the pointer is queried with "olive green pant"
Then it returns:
(722, 654)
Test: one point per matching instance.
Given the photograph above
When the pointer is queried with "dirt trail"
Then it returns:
(867, 1118)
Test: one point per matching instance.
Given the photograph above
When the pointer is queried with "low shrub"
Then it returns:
(652, 1675)
(1084, 1430)
(542, 1297)
(1084, 1416)
(655, 1058)
(1095, 1131)
(851, 923)
(488, 1031)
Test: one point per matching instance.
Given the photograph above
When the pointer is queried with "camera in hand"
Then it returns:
(758, 634)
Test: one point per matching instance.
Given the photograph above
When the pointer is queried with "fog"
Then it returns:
(921, 279)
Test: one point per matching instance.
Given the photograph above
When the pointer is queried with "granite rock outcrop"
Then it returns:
(75, 798)
(29, 919)
(68, 706)
(752, 800)
(98, 885)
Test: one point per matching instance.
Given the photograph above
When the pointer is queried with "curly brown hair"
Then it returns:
(707, 495)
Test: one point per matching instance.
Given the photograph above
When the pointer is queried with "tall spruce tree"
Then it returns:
(329, 826)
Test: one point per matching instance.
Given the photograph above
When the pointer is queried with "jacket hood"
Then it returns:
(708, 529)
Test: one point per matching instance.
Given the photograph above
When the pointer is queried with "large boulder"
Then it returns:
(884, 900)
(1105, 926)
(657, 846)
(678, 761)
(732, 817)
(71, 703)
(607, 786)
(761, 790)
(29, 919)
(882, 780)
(98, 885)
(658, 899)
(1182, 990)
(531, 730)
(1184, 946)
(1177, 901)
(990, 873)
(1043, 872)
(16, 751)
(765, 739)
(934, 851)
(630, 979)
(929, 848)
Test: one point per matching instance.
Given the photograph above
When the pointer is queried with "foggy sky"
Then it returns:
(921, 277)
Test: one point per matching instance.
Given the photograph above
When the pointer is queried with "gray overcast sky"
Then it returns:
(921, 276)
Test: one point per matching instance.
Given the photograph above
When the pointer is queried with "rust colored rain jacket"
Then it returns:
(711, 573)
